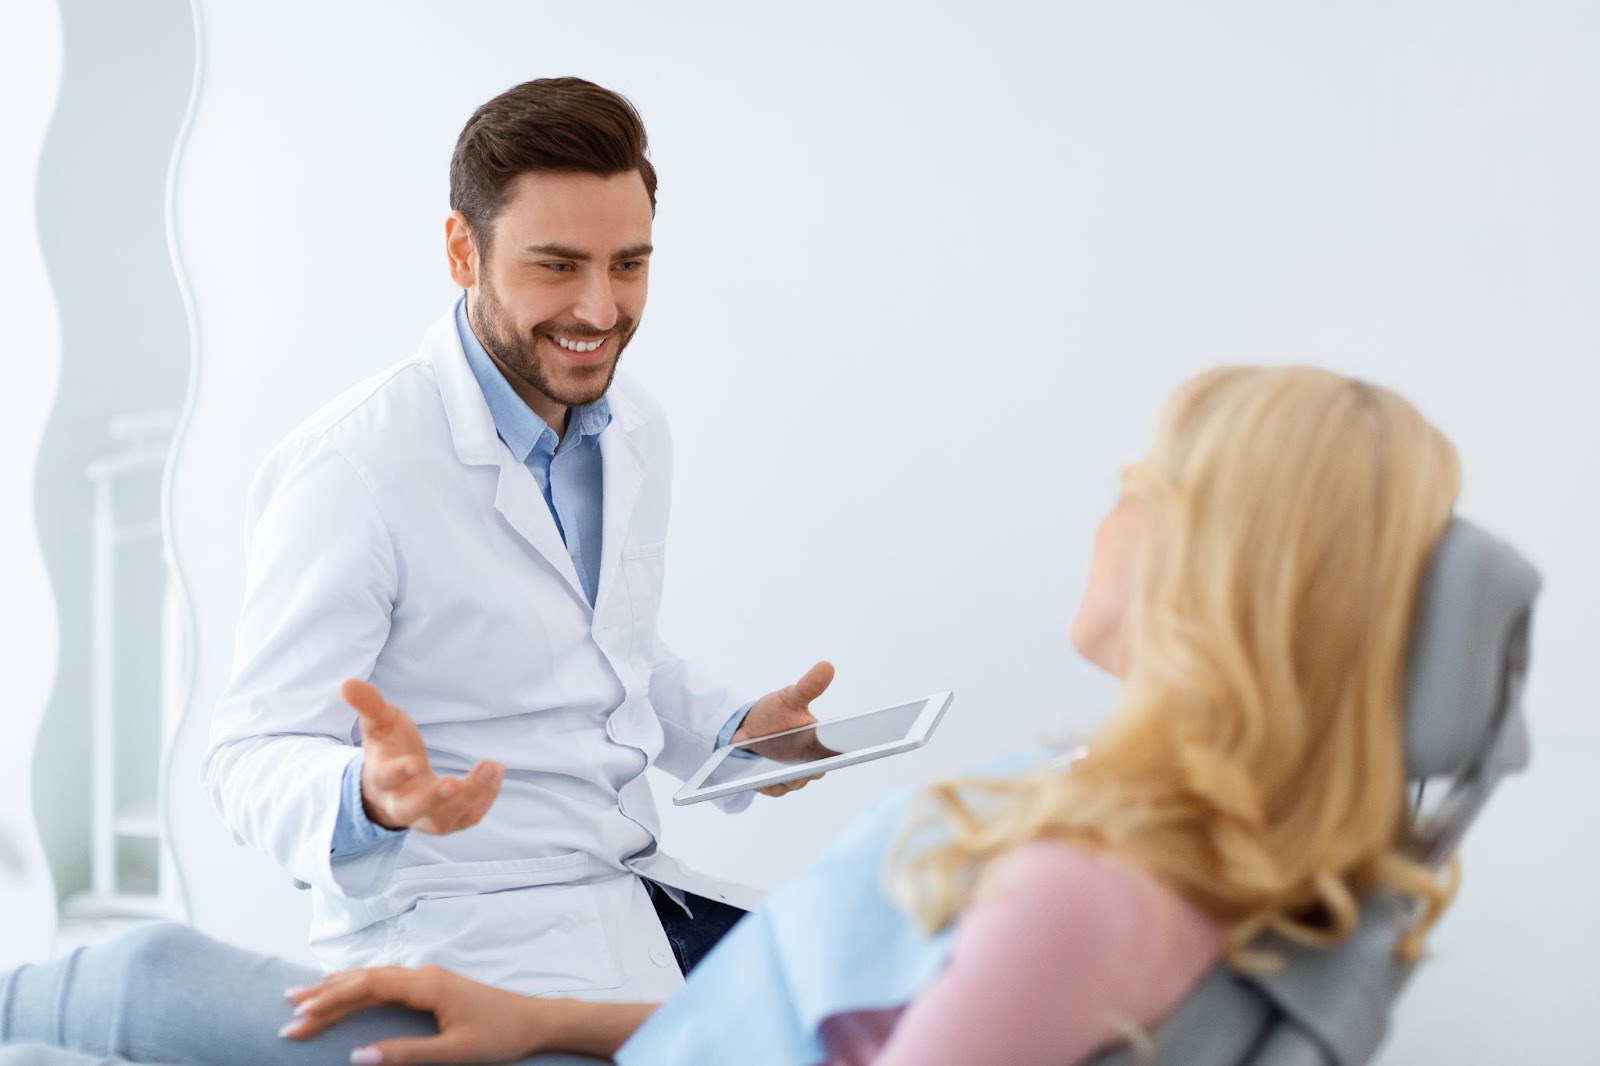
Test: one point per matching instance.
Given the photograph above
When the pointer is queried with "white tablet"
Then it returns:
(814, 749)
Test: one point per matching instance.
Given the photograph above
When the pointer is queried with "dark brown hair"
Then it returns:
(556, 124)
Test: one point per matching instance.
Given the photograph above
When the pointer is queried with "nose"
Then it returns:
(597, 304)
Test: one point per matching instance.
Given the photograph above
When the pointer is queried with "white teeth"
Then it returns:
(579, 346)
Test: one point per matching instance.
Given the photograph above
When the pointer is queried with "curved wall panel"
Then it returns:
(126, 80)
(30, 71)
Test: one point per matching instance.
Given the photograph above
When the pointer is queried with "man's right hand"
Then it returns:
(399, 790)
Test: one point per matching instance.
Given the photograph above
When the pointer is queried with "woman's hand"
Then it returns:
(477, 1022)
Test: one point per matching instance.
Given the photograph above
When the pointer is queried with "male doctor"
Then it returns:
(478, 534)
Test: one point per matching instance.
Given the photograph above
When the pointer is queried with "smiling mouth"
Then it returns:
(581, 347)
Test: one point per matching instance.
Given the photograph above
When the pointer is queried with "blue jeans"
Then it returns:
(168, 994)
(691, 938)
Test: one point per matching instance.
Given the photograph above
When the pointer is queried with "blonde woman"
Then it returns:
(1252, 589)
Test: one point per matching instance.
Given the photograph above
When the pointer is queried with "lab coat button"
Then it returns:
(661, 956)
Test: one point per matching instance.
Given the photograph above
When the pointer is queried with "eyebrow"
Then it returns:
(563, 251)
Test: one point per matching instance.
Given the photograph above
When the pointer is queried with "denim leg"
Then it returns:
(39, 1055)
(168, 994)
(693, 938)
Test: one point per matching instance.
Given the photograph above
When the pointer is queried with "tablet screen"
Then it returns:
(816, 742)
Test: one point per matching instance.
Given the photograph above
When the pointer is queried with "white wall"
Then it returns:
(30, 72)
(923, 276)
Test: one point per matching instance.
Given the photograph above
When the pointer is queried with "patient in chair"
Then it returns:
(1252, 589)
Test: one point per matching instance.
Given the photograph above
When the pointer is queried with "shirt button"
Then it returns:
(661, 956)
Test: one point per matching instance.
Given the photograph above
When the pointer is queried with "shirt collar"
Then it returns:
(521, 429)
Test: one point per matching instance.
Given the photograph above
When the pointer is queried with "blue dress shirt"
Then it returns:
(568, 470)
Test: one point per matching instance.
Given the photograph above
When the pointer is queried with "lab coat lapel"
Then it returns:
(517, 496)
(519, 501)
(622, 468)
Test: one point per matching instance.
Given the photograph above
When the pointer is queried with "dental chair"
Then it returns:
(1464, 730)
(1464, 724)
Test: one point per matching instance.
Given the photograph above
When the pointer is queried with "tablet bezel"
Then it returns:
(932, 710)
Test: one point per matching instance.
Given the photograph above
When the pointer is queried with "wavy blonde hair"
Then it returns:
(1254, 763)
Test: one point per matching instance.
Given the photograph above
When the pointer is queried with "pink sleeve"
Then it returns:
(1058, 960)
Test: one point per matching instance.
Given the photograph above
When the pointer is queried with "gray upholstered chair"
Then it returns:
(1464, 729)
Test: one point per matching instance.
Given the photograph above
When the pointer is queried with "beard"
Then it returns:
(570, 386)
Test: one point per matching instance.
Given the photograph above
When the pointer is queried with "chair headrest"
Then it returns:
(1468, 656)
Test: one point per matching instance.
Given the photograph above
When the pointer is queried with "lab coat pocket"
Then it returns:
(409, 885)
(490, 875)
(515, 923)
(644, 568)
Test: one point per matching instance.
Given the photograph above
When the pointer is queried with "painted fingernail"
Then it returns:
(300, 1011)
(366, 1056)
(294, 990)
(287, 1029)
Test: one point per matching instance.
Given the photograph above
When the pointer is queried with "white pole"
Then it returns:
(171, 686)
(102, 682)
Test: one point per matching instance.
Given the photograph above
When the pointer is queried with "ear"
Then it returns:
(461, 251)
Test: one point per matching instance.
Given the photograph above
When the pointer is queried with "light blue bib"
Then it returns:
(829, 942)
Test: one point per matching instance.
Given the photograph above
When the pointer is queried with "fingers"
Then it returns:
(403, 793)
(785, 787)
(446, 1047)
(368, 702)
(814, 683)
(454, 804)
(408, 805)
(384, 727)
(318, 1007)
(816, 750)
(339, 995)
(396, 773)
(430, 803)
(479, 790)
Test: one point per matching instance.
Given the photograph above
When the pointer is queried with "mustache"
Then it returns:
(623, 327)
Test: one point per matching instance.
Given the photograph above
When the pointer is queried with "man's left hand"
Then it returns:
(787, 708)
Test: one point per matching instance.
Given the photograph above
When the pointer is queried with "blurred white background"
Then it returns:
(924, 273)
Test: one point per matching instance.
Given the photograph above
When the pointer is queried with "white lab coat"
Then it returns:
(394, 537)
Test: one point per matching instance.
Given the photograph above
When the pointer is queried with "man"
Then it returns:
(479, 532)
